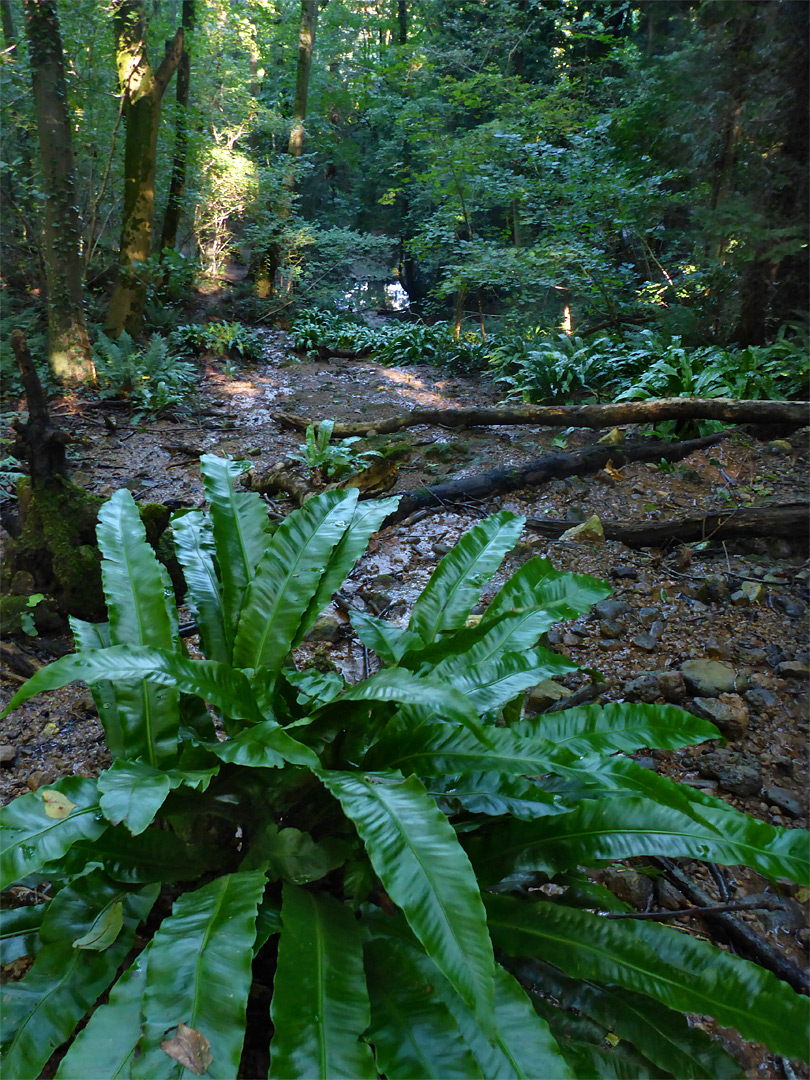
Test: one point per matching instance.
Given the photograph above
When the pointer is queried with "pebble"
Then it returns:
(649, 615)
(325, 628)
(612, 609)
(39, 778)
(609, 628)
(740, 599)
(709, 678)
(785, 800)
(794, 609)
(793, 669)
(734, 770)
(544, 694)
(713, 589)
(760, 699)
(619, 572)
(728, 712)
(653, 685)
(657, 629)
(7, 754)
(644, 641)
(716, 650)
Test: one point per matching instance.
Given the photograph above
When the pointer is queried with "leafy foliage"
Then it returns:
(381, 831)
(228, 339)
(331, 460)
(150, 376)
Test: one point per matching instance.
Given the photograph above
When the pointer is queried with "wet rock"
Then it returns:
(785, 800)
(629, 885)
(39, 778)
(612, 609)
(713, 589)
(325, 628)
(794, 609)
(544, 694)
(609, 628)
(657, 629)
(734, 770)
(728, 712)
(644, 641)
(619, 572)
(649, 615)
(654, 685)
(753, 590)
(708, 678)
(760, 699)
(7, 754)
(793, 669)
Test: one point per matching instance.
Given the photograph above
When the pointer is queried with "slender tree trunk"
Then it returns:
(177, 186)
(402, 22)
(69, 352)
(143, 88)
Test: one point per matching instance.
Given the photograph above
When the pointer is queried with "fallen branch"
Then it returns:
(653, 411)
(751, 903)
(738, 933)
(550, 467)
(790, 519)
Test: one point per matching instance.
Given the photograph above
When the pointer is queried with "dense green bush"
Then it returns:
(228, 339)
(360, 850)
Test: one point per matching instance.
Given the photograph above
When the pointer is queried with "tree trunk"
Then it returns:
(69, 352)
(177, 186)
(726, 410)
(306, 43)
(143, 89)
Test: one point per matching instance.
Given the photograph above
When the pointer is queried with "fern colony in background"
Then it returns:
(362, 851)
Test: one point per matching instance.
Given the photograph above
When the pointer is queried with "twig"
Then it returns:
(751, 904)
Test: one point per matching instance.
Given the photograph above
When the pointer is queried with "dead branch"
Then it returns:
(550, 467)
(40, 443)
(790, 519)
(654, 411)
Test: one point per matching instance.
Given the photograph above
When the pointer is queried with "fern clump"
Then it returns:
(151, 377)
(361, 850)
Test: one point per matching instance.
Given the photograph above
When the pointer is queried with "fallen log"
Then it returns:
(550, 467)
(654, 411)
(789, 519)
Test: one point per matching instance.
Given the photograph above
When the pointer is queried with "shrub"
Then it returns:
(362, 850)
(330, 460)
(154, 381)
(228, 339)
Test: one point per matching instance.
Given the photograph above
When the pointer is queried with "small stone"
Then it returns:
(629, 885)
(37, 779)
(753, 590)
(793, 669)
(669, 898)
(780, 548)
(713, 589)
(644, 641)
(740, 599)
(649, 615)
(544, 694)
(554, 636)
(619, 572)
(7, 754)
(589, 532)
(657, 629)
(571, 640)
(760, 699)
(734, 770)
(610, 629)
(439, 549)
(785, 800)
(779, 446)
(612, 609)
(728, 712)
(325, 628)
(708, 678)
(654, 685)
(794, 609)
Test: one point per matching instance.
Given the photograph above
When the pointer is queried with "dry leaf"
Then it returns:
(613, 438)
(57, 805)
(611, 470)
(190, 1048)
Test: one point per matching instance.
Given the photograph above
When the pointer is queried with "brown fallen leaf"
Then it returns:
(190, 1048)
(57, 805)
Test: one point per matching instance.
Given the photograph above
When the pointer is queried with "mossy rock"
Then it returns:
(44, 613)
(447, 451)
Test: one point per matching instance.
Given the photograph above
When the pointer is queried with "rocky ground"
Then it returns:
(719, 629)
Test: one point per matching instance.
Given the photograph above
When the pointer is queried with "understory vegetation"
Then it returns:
(364, 852)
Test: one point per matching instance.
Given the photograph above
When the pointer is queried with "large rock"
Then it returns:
(709, 678)
(728, 712)
(734, 770)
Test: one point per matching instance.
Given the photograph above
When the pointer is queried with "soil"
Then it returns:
(681, 605)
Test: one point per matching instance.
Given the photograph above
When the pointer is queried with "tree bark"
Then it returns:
(791, 519)
(69, 351)
(306, 43)
(40, 443)
(143, 88)
(177, 185)
(727, 410)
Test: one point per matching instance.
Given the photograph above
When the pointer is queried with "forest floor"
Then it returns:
(668, 608)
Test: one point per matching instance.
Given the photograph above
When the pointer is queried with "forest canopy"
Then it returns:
(514, 166)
